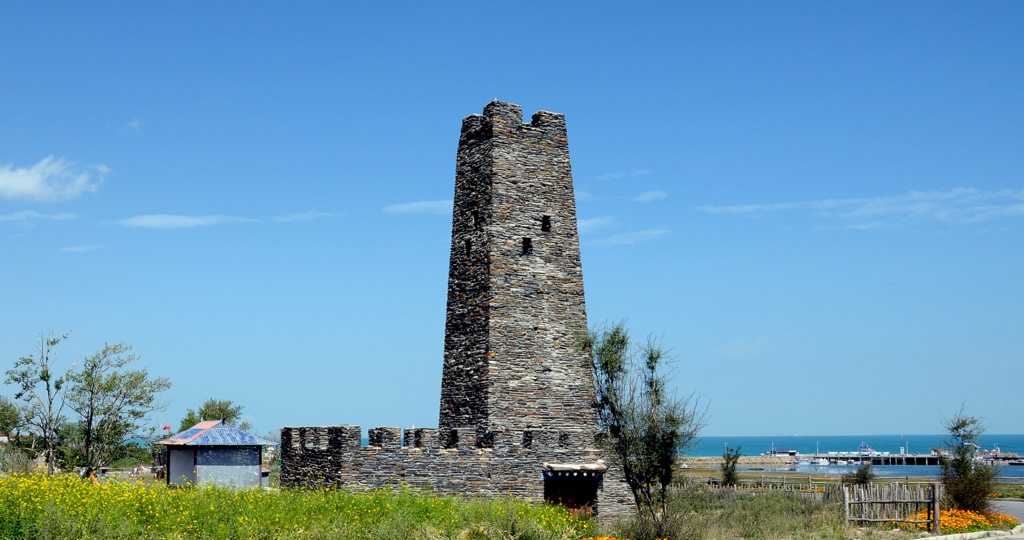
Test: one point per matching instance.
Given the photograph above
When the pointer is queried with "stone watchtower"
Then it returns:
(517, 416)
(515, 283)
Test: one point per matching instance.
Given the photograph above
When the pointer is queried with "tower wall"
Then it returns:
(515, 289)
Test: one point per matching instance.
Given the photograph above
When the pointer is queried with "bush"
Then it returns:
(730, 459)
(966, 482)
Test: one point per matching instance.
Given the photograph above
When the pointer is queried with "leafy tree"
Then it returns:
(215, 409)
(112, 400)
(643, 428)
(730, 459)
(42, 391)
(10, 419)
(966, 482)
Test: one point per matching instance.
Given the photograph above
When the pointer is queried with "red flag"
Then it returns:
(167, 427)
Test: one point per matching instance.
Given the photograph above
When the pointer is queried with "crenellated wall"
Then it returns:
(512, 464)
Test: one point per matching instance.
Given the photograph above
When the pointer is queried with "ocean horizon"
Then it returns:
(752, 445)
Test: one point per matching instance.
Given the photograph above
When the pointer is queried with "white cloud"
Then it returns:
(304, 216)
(52, 179)
(620, 175)
(962, 205)
(27, 215)
(440, 208)
(650, 196)
(595, 223)
(633, 237)
(78, 249)
(134, 126)
(170, 221)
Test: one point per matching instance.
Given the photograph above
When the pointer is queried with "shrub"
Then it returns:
(730, 459)
(966, 482)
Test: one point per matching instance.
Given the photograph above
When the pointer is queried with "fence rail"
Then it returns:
(893, 503)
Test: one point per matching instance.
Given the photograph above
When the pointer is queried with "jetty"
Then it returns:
(876, 458)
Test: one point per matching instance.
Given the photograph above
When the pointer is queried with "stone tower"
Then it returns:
(515, 283)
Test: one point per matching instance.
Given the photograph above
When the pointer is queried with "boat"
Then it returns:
(865, 449)
(821, 461)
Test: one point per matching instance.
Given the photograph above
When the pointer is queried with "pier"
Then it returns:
(840, 458)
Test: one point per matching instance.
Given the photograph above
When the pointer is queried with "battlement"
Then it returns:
(504, 118)
(346, 439)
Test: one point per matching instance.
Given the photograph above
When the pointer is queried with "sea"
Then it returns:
(894, 444)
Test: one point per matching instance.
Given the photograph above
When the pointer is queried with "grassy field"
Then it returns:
(37, 506)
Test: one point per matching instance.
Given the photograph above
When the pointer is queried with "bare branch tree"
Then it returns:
(42, 392)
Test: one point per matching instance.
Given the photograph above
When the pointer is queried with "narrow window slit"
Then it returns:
(469, 247)
(527, 246)
(545, 223)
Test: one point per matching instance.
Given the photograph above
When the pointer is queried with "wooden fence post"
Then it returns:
(936, 522)
(846, 505)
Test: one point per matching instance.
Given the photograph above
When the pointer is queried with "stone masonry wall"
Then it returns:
(515, 292)
(331, 456)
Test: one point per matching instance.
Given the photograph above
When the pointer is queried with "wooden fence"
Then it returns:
(875, 503)
(893, 503)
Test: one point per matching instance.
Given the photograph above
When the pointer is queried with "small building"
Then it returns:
(214, 452)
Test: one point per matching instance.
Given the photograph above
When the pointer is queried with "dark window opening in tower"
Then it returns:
(545, 223)
(469, 247)
(527, 246)
(476, 218)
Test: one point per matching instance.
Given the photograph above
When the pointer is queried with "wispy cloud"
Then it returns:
(594, 224)
(440, 208)
(29, 215)
(962, 205)
(650, 196)
(52, 179)
(633, 237)
(134, 126)
(78, 249)
(744, 349)
(304, 216)
(171, 221)
(620, 175)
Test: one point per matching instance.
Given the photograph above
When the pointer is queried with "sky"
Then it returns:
(817, 207)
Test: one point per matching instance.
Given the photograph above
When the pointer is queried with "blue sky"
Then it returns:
(817, 206)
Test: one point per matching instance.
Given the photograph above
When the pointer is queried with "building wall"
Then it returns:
(515, 289)
(512, 467)
(181, 466)
(229, 466)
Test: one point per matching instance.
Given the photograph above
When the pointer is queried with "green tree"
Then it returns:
(643, 428)
(966, 482)
(10, 419)
(42, 391)
(216, 409)
(112, 400)
(730, 459)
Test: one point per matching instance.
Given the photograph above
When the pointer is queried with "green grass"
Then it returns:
(36, 506)
(701, 515)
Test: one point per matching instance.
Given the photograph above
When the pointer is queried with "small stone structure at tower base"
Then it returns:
(517, 412)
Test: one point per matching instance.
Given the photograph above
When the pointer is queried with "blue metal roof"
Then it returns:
(214, 433)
